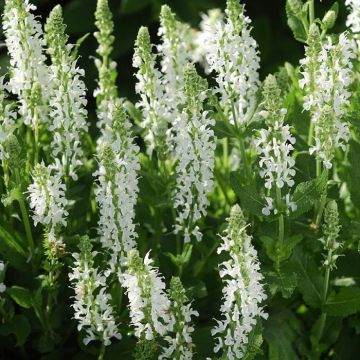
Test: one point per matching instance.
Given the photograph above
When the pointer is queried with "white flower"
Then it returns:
(47, 197)
(242, 293)
(232, 54)
(176, 37)
(91, 305)
(29, 76)
(67, 98)
(117, 188)
(194, 153)
(275, 145)
(153, 102)
(179, 342)
(353, 19)
(328, 96)
(148, 303)
(205, 35)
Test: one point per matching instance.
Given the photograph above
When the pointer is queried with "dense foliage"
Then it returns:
(213, 215)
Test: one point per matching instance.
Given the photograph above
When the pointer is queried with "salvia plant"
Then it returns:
(216, 216)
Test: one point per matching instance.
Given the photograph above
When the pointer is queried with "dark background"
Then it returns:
(276, 42)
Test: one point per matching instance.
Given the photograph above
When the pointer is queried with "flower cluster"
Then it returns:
(275, 145)
(180, 344)
(204, 35)
(152, 94)
(92, 304)
(331, 229)
(327, 86)
(47, 198)
(106, 93)
(232, 53)
(148, 303)
(175, 53)
(67, 97)
(194, 153)
(117, 189)
(29, 76)
(243, 291)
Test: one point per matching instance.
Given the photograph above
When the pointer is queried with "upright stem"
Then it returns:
(319, 208)
(244, 158)
(281, 217)
(102, 351)
(324, 297)
(25, 218)
(311, 11)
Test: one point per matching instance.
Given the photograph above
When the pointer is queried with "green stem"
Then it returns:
(244, 158)
(102, 351)
(311, 133)
(25, 219)
(319, 207)
(311, 11)
(281, 217)
(324, 297)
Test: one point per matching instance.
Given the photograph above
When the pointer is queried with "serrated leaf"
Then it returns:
(344, 303)
(21, 296)
(250, 199)
(283, 280)
(307, 193)
(310, 282)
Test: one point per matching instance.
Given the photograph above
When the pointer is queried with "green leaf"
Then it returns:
(344, 303)
(307, 193)
(12, 248)
(282, 280)
(21, 296)
(250, 199)
(131, 6)
(281, 330)
(310, 282)
(19, 326)
(221, 130)
(295, 24)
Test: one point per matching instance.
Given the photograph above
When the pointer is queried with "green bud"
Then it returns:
(135, 263)
(168, 19)
(331, 230)
(314, 34)
(177, 291)
(143, 45)
(233, 10)
(194, 83)
(328, 20)
(104, 22)
(55, 35)
(13, 151)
